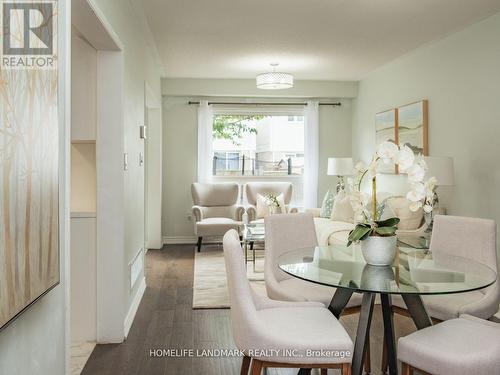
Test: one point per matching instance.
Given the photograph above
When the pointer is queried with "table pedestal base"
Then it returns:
(414, 305)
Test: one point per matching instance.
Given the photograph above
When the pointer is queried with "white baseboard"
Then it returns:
(188, 240)
(129, 319)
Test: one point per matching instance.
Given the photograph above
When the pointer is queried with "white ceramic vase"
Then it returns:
(379, 251)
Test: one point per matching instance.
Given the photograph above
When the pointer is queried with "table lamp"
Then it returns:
(340, 167)
(442, 168)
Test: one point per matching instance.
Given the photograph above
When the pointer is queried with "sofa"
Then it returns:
(336, 232)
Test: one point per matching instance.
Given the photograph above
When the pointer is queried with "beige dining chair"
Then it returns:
(263, 328)
(215, 210)
(466, 237)
(292, 232)
(469, 238)
(462, 346)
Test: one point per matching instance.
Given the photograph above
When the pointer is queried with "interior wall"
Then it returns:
(140, 66)
(35, 342)
(180, 157)
(459, 76)
(83, 89)
(83, 178)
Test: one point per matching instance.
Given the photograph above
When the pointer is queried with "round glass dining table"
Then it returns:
(414, 273)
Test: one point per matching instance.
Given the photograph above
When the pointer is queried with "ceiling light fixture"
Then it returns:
(274, 80)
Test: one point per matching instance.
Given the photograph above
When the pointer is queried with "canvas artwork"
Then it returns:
(386, 130)
(29, 234)
(413, 126)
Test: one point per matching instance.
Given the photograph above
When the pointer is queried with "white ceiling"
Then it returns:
(313, 39)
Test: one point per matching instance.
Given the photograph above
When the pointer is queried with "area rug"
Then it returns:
(210, 283)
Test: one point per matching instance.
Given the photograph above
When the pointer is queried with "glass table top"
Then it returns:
(413, 271)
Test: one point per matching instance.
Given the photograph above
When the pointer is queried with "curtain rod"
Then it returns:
(338, 104)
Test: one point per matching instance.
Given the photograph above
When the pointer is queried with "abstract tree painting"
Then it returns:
(29, 236)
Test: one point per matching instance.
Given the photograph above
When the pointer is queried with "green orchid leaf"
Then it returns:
(385, 231)
(392, 222)
(358, 233)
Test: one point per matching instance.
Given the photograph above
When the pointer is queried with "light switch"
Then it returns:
(125, 161)
(141, 159)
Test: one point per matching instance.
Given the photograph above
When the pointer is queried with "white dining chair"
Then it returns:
(292, 232)
(286, 233)
(469, 238)
(263, 328)
(462, 346)
(466, 237)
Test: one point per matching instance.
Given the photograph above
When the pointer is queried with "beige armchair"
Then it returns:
(215, 210)
(265, 188)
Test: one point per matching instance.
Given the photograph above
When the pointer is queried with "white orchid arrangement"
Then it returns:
(421, 195)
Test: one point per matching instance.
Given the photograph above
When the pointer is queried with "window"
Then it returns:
(258, 145)
(227, 162)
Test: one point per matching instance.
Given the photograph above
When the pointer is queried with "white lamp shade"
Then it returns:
(340, 167)
(274, 81)
(442, 168)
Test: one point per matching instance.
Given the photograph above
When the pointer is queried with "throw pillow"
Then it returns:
(342, 208)
(263, 208)
(327, 205)
(409, 220)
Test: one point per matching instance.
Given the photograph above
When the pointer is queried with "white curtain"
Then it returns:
(205, 151)
(311, 154)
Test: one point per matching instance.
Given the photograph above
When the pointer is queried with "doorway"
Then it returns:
(97, 227)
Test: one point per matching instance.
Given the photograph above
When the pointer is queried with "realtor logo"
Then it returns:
(28, 35)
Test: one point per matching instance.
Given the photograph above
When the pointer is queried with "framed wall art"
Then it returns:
(29, 176)
(413, 126)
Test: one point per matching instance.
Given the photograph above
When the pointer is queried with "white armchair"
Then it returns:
(265, 188)
(215, 210)
(263, 325)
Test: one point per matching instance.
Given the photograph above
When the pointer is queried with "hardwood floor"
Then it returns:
(165, 320)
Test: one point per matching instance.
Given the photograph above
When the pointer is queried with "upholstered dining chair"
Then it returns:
(462, 346)
(469, 238)
(292, 232)
(215, 210)
(252, 189)
(262, 327)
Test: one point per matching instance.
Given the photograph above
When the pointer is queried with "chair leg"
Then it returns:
(199, 243)
(245, 365)
(346, 369)
(406, 369)
(256, 367)
(368, 362)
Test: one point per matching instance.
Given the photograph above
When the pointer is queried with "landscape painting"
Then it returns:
(386, 130)
(29, 234)
(413, 127)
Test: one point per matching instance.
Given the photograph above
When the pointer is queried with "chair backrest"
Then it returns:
(286, 233)
(265, 188)
(467, 237)
(243, 311)
(213, 195)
